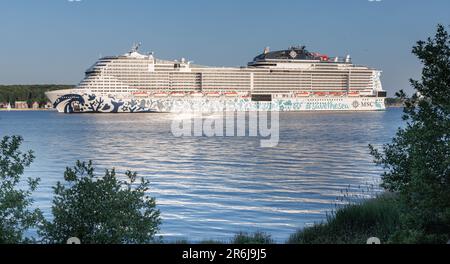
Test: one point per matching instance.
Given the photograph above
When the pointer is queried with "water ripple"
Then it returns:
(211, 188)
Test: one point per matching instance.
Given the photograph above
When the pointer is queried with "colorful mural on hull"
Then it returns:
(75, 103)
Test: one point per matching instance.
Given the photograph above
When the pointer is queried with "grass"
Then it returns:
(241, 238)
(355, 223)
(258, 238)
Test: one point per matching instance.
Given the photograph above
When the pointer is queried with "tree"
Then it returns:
(16, 217)
(29, 93)
(101, 210)
(417, 162)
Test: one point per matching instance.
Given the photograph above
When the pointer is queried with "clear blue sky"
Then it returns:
(54, 41)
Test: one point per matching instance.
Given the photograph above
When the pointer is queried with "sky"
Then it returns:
(55, 41)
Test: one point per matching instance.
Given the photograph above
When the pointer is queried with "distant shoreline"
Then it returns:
(26, 110)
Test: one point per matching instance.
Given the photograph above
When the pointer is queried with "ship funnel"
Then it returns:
(348, 59)
(266, 50)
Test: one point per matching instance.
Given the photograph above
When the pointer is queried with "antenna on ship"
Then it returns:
(136, 47)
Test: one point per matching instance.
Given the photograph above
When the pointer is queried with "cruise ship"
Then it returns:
(294, 79)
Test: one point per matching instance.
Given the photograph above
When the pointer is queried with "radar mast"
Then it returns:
(136, 47)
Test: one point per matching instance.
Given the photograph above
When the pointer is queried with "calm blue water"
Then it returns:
(211, 188)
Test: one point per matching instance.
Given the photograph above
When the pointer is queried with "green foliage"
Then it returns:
(355, 223)
(29, 93)
(258, 238)
(16, 217)
(417, 162)
(241, 238)
(101, 210)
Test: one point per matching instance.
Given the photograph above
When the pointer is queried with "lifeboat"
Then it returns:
(353, 94)
(231, 94)
(178, 94)
(160, 94)
(302, 94)
(336, 94)
(140, 94)
(213, 94)
(197, 94)
(320, 94)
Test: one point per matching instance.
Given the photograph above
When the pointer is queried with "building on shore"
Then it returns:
(21, 105)
(35, 106)
(3, 105)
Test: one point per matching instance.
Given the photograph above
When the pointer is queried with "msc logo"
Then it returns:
(357, 104)
(367, 104)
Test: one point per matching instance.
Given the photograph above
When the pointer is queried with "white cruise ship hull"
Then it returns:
(75, 102)
(285, 80)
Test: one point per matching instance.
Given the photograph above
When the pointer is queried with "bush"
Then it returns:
(258, 238)
(16, 217)
(101, 210)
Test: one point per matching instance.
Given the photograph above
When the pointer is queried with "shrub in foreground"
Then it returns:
(417, 162)
(16, 216)
(101, 210)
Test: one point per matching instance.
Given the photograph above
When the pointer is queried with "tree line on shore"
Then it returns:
(415, 207)
(28, 93)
